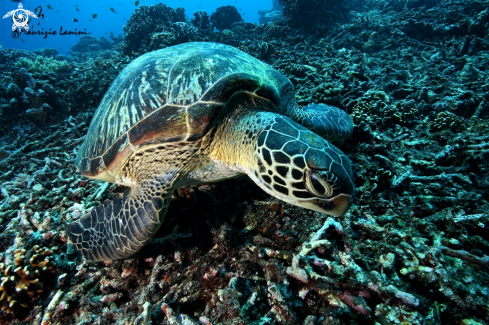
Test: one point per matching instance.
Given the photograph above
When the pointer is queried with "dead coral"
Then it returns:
(416, 232)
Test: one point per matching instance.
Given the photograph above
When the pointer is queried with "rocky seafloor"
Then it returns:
(413, 248)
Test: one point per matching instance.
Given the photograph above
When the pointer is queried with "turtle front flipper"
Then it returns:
(120, 227)
(329, 122)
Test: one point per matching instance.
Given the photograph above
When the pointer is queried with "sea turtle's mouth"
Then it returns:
(336, 205)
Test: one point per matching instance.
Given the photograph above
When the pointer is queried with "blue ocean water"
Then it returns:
(111, 17)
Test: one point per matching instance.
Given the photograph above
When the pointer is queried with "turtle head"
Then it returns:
(301, 168)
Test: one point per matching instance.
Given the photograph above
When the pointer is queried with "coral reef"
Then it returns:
(42, 89)
(413, 248)
(201, 20)
(224, 17)
(47, 52)
(312, 14)
(24, 277)
(148, 20)
(89, 43)
(178, 33)
(184, 32)
(44, 64)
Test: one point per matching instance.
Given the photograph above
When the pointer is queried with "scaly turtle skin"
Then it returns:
(197, 113)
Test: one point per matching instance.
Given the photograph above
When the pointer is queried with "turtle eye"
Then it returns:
(322, 183)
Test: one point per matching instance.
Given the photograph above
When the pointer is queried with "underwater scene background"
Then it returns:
(412, 249)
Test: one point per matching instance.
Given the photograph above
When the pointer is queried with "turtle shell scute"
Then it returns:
(171, 95)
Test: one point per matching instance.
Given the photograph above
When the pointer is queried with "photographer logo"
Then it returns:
(20, 18)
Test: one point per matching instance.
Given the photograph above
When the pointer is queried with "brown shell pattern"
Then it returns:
(167, 95)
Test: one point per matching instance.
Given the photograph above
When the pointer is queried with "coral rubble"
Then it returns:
(414, 247)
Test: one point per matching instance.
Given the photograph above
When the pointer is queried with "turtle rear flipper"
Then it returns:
(122, 226)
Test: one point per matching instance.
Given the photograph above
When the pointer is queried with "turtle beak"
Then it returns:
(335, 206)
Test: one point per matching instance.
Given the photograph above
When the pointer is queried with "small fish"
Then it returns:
(359, 76)
(49, 7)
(77, 9)
(90, 20)
(22, 40)
(75, 20)
(136, 3)
(112, 9)
(94, 16)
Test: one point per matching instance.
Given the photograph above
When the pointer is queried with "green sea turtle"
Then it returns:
(197, 113)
